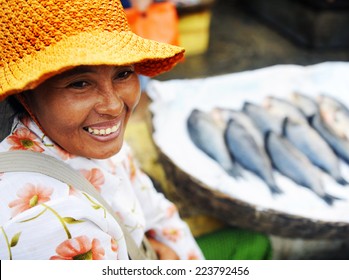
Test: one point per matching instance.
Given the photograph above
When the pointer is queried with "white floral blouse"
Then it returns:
(43, 218)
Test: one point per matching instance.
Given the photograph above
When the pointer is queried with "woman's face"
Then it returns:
(85, 110)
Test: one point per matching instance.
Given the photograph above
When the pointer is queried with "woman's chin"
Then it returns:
(103, 154)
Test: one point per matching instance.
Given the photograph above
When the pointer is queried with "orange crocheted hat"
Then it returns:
(41, 38)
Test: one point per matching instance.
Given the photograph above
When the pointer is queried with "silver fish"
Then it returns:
(263, 120)
(249, 154)
(339, 144)
(310, 143)
(290, 162)
(283, 108)
(209, 138)
(306, 104)
(225, 114)
(335, 114)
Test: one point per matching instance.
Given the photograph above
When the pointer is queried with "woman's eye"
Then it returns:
(78, 85)
(124, 74)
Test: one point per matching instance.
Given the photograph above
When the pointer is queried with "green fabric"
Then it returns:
(235, 244)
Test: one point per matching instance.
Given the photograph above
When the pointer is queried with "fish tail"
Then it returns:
(329, 199)
(342, 181)
(235, 172)
(275, 190)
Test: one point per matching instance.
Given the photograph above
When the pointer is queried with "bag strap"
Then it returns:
(28, 161)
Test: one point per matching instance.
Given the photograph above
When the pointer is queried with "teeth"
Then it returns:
(107, 131)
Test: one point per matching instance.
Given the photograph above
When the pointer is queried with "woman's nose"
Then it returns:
(109, 102)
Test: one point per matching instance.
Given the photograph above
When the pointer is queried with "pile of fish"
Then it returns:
(299, 137)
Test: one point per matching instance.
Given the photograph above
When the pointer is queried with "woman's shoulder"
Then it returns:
(20, 191)
(15, 184)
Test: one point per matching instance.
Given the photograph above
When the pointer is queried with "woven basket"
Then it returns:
(200, 198)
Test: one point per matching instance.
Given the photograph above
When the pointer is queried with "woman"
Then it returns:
(70, 69)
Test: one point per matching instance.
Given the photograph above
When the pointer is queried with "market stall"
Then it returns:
(297, 212)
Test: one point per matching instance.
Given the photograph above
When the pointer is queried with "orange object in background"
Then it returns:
(159, 22)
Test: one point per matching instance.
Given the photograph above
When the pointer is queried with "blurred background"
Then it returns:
(250, 34)
(230, 36)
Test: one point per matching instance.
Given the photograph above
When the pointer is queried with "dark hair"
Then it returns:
(9, 109)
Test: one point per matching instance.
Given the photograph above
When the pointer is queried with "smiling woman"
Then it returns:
(70, 72)
(97, 102)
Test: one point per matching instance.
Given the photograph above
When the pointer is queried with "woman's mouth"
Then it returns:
(103, 131)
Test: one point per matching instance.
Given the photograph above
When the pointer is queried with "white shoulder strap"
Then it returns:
(28, 161)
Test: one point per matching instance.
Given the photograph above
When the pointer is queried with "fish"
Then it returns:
(283, 108)
(249, 154)
(335, 114)
(263, 120)
(208, 136)
(307, 105)
(225, 114)
(290, 162)
(307, 140)
(338, 143)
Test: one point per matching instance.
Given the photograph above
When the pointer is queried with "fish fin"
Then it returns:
(245, 105)
(310, 118)
(284, 123)
(266, 140)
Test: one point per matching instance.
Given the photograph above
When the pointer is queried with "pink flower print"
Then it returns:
(132, 168)
(172, 234)
(73, 191)
(112, 166)
(193, 256)
(79, 248)
(171, 210)
(26, 120)
(114, 245)
(118, 213)
(63, 154)
(24, 139)
(151, 233)
(29, 196)
(95, 176)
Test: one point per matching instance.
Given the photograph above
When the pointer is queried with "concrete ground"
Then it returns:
(240, 41)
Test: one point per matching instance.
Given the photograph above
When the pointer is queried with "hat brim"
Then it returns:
(150, 58)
